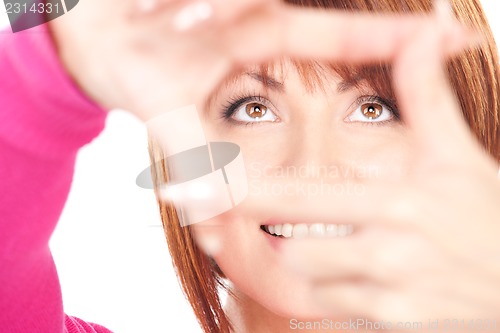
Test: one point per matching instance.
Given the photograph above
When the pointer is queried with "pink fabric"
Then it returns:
(44, 120)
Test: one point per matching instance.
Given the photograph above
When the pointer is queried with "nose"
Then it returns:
(313, 145)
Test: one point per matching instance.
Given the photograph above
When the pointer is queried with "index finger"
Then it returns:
(427, 101)
(330, 35)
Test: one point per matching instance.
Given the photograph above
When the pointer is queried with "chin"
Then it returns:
(274, 292)
(251, 260)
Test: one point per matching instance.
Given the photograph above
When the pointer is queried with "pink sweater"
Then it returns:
(44, 120)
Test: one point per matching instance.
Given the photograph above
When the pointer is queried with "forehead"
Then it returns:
(318, 76)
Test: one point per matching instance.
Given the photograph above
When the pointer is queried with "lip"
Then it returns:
(274, 241)
(274, 222)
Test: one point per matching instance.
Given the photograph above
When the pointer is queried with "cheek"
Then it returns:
(261, 151)
(359, 154)
(256, 272)
(387, 164)
(379, 155)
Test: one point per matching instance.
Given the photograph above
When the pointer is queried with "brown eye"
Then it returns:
(256, 110)
(371, 110)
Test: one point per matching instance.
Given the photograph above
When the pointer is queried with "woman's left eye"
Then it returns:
(371, 112)
(253, 112)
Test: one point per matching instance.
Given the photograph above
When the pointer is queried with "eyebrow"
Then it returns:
(342, 87)
(345, 86)
(267, 81)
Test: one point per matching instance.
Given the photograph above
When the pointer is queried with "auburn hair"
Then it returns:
(473, 74)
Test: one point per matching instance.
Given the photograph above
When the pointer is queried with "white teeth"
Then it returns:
(277, 229)
(316, 230)
(342, 230)
(300, 231)
(332, 230)
(286, 230)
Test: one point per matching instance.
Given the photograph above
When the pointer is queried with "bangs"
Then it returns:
(380, 6)
(378, 77)
(314, 76)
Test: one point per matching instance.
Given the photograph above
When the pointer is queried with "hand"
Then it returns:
(156, 61)
(143, 63)
(424, 248)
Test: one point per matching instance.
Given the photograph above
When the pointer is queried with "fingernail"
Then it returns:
(443, 11)
(192, 15)
(461, 38)
(456, 37)
(146, 6)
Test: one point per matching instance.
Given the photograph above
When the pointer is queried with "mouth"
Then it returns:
(303, 230)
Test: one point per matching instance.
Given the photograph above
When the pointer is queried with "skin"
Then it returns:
(324, 128)
(443, 218)
(447, 170)
(407, 257)
(184, 67)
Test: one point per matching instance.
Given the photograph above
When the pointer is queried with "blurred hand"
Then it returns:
(428, 250)
(425, 248)
(174, 54)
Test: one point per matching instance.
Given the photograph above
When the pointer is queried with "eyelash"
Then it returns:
(391, 106)
(232, 105)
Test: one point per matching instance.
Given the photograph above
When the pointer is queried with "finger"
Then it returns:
(323, 260)
(301, 33)
(374, 254)
(411, 306)
(143, 7)
(428, 104)
(360, 205)
(228, 11)
(329, 260)
(190, 14)
(365, 300)
(214, 13)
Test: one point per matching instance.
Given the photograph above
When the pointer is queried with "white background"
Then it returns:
(109, 247)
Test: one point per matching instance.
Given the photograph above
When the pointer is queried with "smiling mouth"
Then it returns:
(302, 230)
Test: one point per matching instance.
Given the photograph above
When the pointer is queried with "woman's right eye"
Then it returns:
(253, 112)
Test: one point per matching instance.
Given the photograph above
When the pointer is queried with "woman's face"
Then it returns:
(335, 137)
